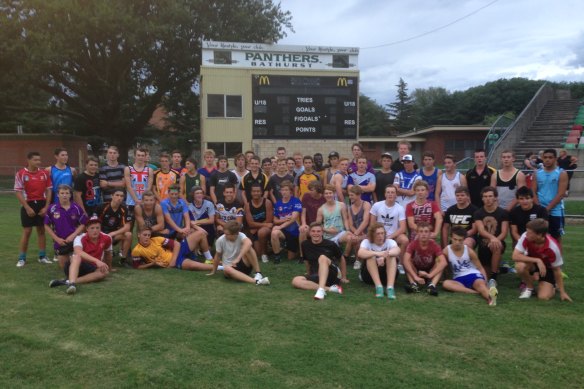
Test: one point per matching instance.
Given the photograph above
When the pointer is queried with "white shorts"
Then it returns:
(338, 237)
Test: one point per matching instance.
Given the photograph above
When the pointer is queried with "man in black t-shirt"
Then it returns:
(86, 189)
(383, 177)
(116, 221)
(322, 258)
(526, 211)
(478, 177)
(219, 179)
(460, 214)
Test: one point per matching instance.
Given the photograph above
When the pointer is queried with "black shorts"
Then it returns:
(64, 250)
(36, 220)
(242, 268)
(485, 254)
(84, 269)
(556, 226)
(549, 275)
(366, 277)
(131, 213)
(291, 241)
(333, 278)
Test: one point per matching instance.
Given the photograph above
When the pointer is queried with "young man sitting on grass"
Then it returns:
(92, 252)
(322, 258)
(424, 261)
(537, 251)
(235, 251)
(468, 275)
(163, 252)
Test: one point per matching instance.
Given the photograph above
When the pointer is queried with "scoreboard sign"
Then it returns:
(304, 107)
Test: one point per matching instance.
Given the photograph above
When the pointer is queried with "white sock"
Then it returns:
(208, 255)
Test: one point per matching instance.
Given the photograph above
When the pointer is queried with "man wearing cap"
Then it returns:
(383, 177)
(404, 181)
(403, 147)
(91, 260)
(331, 168)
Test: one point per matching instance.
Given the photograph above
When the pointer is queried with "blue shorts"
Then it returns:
(183, 254)
(469, 279)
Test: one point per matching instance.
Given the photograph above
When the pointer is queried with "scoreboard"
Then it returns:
(304, 107)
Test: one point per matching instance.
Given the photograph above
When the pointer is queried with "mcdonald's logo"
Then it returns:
(264, 80)
(342, 81)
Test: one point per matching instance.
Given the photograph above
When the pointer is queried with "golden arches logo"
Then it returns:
(264, 80)
(342, 81)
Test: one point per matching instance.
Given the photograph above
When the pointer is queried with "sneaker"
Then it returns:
(20, 263)
(55, 258)
(277, 259)
(258, 276)
(412, 288)
(320, 294)
(391, 294)
(357, 265)
(401, 269)
(504, 268)
(493, 293)
(55, 283)
(431, 290)
(336, 289)
(220, 268)
(72, 289)
(124, 263)
(208, 261)
(265, 258)
(526, 294)
(379, 292)
(492, 283)
(263, 281)
(46, 261)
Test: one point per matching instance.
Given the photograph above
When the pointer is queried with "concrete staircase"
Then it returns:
(549, 128)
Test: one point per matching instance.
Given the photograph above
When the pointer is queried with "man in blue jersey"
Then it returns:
(61, 173)
(286, 222)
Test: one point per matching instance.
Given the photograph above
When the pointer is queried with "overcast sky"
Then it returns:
(536, 39)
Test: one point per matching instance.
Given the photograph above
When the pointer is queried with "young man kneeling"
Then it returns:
(468, 275)
(235, 250)
(537, 251)
(321, 257)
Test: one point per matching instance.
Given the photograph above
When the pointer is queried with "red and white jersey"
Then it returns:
(33, 184)
(95, 249)
(549, 252)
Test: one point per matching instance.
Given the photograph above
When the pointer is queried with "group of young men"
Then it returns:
(400, 219)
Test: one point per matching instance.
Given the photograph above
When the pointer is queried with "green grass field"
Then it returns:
(167, 328)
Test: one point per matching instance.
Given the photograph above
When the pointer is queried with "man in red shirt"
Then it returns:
(92, 252)
(32, 186)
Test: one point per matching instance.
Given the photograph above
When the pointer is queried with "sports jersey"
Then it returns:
(311, 205)
(229, 249)
(157, 251)
(461, 266)
(448, 190)
(492, 222)
(301, 181)
(64, 221)
(205, 211)
(150, 220)
(381, 181)
(424, 258)
(229, 211)
(190, 183)
(176, 212)
(275, 182)
(207, 174)
(95, 249)
(32, 183)
(519, 217)
(283, 210)
(353, 167)
(139, 183)
(312, 252)
(549, 252)
(476, 182)
(362, 180)
(390, 217)
(60, 177)
(111, 174)
(248, 180)
(112, 220)
(163, 181)
(547, 188)
(258, 214)
(431, 180)
(406, 180)
(506, 189)
(422, 213)
(460, 217)
(219, 180)
(332, 219)
(88, 185)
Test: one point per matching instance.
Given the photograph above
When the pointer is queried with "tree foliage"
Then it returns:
(401, 110)
(103, 67)
(373, 118)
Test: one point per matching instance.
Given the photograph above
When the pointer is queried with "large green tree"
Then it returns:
(401, 110)
(103, 67)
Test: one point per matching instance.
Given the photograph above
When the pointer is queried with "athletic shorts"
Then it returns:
(291, 241)
(131, 213)
(337, 237)
(85, 268)
(549, 275)
(183, 253)
(333, 278)
(36, 220)
(64, 250)
(556, 226)
(366, 277)
(242, 268)
(485, 254)
(469, 279)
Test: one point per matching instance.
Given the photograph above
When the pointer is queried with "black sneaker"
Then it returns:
(72, 289)
(55, 283)
(301, 260)
(124, 263)
(412, 288)
(431, 290)
(277, 259)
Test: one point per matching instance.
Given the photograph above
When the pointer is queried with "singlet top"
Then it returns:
(448, 188)
(506, 189)
(547, 188)
(139, 182)
(149, 220)
(461, 266)
(190, 183)
(258, 214)
(357, 218)
(332, 219)
(60, 177)
(431, 180)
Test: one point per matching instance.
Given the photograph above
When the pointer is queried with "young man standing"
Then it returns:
(298, 163)
(305, 177)
(61, 173)
(430, 174)
(176, 164)
(423, 210)
(228, 210)
(176, 214)
(138, 178)
(323, 258)
(383, 177)
(331, 168)
(291, 164)
(220, 178)
(111, 175)
(358, 221)
(507, 180)
(281, 152)
(424, 262)
(311, 202)
(276, 180)
(403, 148)
(340, 180)
(32, 186)
(478, 177)
(549, 187)
(92, 252)
(87, 192)
(208, 169)
(404, 181)
(524, 213)
(116, 221)
(286, 217)
(537, 251)
(492, 224)
(190, 179)
(235, 251)
(318, 164)
(363, 178)
(448, 182)
(460, 214)
(255, 176)
(240, 171)
(164, 178)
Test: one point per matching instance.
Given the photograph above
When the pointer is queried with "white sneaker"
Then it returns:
(526, 293)
(55, 259)
(357, 265)
(401, 269)
(20, 263)
(493, 294)
(492, 283)
(263, 281)
(336, 289)
(320, 294)
(45, 261)
(265, 258)
(220, 268)
(258, 276)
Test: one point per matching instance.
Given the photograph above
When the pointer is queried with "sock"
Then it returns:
(22, 256)
(431, 284)
(42, 253)
(208, 255)
(379, 286)
(494, 275)
(390, 287)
